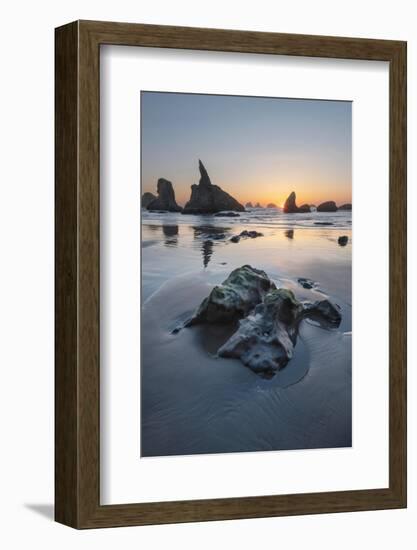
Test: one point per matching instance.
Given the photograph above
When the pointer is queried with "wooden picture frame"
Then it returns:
(77, 382)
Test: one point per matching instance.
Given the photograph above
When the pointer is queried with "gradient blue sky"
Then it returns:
(257, 149)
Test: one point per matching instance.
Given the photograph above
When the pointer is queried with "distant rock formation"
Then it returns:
(147, 198)
(227, 215)
(207, 198)
(346, 206)
(165, 199)
(257, 205)
(248, 205)
(290, 206)
(271, 205)
(328, 206)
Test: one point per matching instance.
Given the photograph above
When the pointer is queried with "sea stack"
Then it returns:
(207, 198)
(165, 199)
(147, 198)
(328, 206)
(290, 206)
(248, 205)
(271, 205)
(346, 207)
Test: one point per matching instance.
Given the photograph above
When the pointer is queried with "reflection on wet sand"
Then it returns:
(207, 251)
(207, 234)
(170, 231)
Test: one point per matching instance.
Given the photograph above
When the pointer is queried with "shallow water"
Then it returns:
(192, 401)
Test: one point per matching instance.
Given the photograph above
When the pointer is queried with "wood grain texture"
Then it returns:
(78, 285)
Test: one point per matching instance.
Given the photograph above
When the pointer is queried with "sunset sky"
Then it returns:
(256, 149)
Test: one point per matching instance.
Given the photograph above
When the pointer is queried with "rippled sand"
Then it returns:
(192, 401)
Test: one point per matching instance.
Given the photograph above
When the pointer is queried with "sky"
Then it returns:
(256, 149)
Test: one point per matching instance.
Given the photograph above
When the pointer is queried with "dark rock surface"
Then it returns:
(290, 206)
(324, 312)
(346, 207)
(227, 215)
(343, 240)
(323, 223)
(207, 198)
(147, 198)
(266, 338)
(268, 318)
(245, 234)
(306, 283)
(328, 206)
(235, 297)
(165, 199)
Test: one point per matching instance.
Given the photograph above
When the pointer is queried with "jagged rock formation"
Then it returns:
(347, 207)
(227, 215)
(235, 297)
(271, 205)
(147, 198)
(248, 205)
(328, 206)
(269, 318)
(207, 198)
(290, 206)
(165, 199)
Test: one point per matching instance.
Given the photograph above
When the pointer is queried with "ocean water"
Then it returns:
(194, 402)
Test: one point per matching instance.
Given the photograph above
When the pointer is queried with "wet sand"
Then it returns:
(194, 402)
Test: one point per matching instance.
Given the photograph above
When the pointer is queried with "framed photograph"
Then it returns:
(230, 274)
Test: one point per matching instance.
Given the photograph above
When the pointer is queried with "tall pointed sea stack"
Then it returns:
(165, 199)
(207, 198)
(290, 206)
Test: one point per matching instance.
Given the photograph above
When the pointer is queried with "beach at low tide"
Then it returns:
(192, 401)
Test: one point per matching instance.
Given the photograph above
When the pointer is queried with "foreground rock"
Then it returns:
(269, 318)
(147, 198)
(343, 240)
(266, 338)
(166, 198)
(243, 289)
(346, 207)
(328, 206)
(290, 206)
(207, 198)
